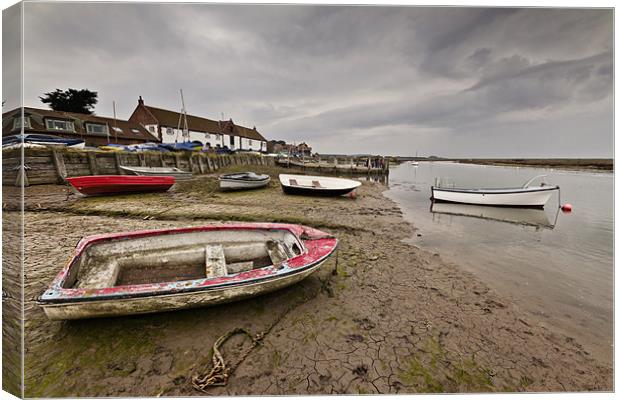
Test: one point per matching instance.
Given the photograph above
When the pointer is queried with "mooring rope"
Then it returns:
(219, 373)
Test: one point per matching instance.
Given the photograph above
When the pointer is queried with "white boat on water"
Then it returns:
(179, 174)
(243, 180)
(524, 196)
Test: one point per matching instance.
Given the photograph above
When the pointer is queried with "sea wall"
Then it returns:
(49, 165)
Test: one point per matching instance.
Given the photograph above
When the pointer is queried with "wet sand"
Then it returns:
(380, 317)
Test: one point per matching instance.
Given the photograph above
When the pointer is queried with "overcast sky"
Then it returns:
(393, 80)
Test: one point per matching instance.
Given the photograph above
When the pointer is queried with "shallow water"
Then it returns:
(557, 266)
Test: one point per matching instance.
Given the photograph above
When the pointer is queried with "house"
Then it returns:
(304, 149)
(280, 146)
(93, 129)
(168, 127)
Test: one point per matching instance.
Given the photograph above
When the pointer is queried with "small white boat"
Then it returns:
(178, 174)
(243, 180)
(524, 196)
(317, 185)
(414, 163)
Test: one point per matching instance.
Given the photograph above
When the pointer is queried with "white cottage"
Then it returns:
(216, 134)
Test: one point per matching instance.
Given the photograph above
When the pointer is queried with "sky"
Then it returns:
(453, 82)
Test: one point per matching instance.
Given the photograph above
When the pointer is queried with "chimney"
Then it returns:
(140, 101)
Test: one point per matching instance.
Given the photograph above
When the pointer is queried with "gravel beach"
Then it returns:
(381, 316)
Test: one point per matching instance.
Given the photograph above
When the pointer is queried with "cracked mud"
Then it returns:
(380, 317)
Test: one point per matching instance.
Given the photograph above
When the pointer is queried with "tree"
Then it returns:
(71, 100)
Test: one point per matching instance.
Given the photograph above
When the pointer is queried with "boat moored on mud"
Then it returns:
(177, 173)
(243, 180)
(96, 185)
(317, 185)
(169, 269)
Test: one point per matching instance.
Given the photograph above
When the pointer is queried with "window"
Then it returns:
(97, 129)
(169, 131)
(152, 129)
(117, 129)
(17, 123)
(250, 141)
(59, 125)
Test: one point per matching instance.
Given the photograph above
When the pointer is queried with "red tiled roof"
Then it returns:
(199, 124)
(37, 116)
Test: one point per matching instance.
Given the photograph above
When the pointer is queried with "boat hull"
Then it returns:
(178, 174)
(120, 184)
(309, 185)
(227, 182)
(171, 302)
(106, 289)
(535, 198)
(315, 192)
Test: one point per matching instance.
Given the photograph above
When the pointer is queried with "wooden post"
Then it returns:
(161, 160)
(201, 166)
(117, 162)
(176, 159)
(190, 162)
(59, 164)
(92, 163)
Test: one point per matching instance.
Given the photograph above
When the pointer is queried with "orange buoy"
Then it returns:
(567, 208)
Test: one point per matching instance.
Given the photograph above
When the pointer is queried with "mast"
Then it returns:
(115, 131)
(183, 116)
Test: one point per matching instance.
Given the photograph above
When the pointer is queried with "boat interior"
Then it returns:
(180, 257)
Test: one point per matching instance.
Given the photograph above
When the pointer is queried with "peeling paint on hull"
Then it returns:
(153, 304)
(72, 297)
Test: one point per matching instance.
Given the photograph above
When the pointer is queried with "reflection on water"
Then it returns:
(562, 275)
(520, 216)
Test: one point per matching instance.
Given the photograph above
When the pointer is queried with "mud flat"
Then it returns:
(381, 317)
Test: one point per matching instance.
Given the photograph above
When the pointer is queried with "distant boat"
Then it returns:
(414, 163)
(43, 140)
(178, 174)
(519, 216)
(96, 185)
(524, 196)
(317, 185)
(243, 180)
(170, 269)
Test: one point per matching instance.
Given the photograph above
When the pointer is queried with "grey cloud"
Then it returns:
(376, 77)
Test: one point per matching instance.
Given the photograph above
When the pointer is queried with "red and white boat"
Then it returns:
(169, 269)
(120, 184)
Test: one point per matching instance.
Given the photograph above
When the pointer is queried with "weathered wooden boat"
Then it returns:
(243, 180)
(169, 269)
(524, 196)
(178, 173)
(95, 185)
(518, 216)
(317, 185)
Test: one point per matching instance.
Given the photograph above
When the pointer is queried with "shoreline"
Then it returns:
(383, 316)
(587, 165)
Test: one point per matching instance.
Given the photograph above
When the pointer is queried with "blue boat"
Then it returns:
(183, 146)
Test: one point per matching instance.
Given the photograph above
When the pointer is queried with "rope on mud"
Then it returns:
(219, 373)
